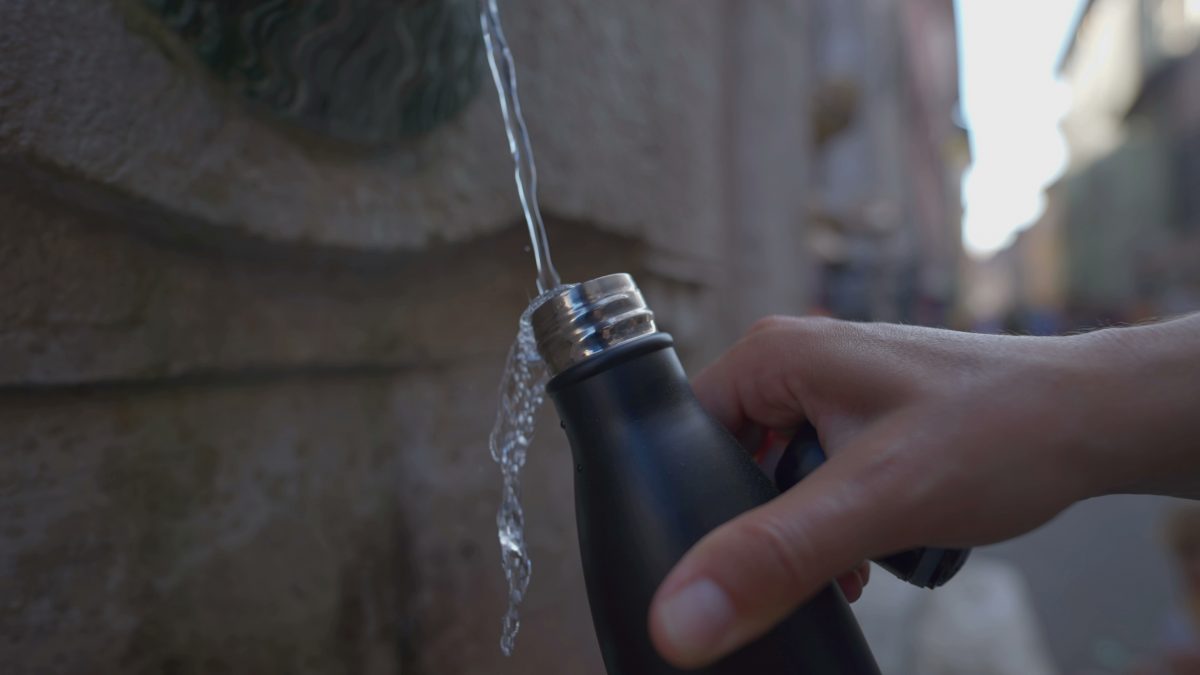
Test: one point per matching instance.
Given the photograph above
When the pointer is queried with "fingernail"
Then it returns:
(696, 618)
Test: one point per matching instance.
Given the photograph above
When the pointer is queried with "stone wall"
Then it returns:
(246, 377)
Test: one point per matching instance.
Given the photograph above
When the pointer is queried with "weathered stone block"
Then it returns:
(308, 524)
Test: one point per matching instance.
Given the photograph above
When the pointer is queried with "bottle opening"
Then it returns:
(587, 319)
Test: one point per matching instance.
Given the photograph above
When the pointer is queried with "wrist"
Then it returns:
(1137, 426)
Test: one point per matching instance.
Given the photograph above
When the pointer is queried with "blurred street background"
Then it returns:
(262, 261)
(1064, 149)
(1072, 148)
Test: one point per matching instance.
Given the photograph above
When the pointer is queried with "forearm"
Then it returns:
(1145, 407)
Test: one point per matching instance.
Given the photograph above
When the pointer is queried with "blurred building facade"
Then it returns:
(1120, 239)
(889, 158)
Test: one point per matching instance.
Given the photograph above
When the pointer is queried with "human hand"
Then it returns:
(935, 438)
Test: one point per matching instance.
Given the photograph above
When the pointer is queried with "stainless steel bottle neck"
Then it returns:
(587, 319)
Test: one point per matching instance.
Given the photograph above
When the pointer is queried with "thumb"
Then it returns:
(751, 573)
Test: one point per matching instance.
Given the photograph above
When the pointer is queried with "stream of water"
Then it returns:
(504, 74)
(522, 392)
(523, 384)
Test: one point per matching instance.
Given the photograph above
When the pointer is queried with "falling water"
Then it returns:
(504, 73)
(523, 385)
(522, 391)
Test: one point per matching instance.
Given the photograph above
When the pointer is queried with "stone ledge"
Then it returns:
(88, 301)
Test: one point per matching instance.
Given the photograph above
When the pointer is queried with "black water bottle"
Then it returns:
(653, 474)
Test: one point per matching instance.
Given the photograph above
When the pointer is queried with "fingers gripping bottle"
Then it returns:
(653, 474)
(925, 567)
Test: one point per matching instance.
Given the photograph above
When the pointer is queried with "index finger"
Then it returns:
(758, 381)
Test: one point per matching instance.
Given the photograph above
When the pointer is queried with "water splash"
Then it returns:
(504, 73)
(522, 392)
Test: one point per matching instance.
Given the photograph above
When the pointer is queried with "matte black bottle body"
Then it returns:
(654, 474)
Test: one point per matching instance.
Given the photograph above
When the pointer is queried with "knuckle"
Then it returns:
(770, 324)
(811, 326)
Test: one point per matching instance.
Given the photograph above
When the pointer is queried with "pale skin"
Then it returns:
(935, 438)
